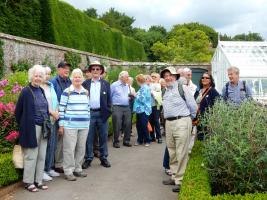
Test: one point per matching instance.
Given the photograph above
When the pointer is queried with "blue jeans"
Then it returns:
(96, 123)
(51, 149)
(141, 126)
(166, 159)
(154, 121)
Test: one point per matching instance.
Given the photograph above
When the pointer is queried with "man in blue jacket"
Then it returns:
(60, 83)
(100, 111)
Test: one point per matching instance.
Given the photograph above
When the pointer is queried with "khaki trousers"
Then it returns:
(59, 150)
(178, 138)
(74, 141)
(34, 159)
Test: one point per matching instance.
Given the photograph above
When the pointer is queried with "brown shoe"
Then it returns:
(59, 170)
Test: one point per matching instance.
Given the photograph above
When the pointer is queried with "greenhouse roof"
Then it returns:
(250, 57)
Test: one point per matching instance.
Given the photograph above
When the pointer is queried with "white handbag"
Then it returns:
(17, 157)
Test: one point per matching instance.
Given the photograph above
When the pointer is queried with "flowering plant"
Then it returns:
(9, 129)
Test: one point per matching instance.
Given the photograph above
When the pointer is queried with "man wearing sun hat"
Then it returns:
(100, 108)
(178, 109)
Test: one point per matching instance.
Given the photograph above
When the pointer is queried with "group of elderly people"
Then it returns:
(78, 112)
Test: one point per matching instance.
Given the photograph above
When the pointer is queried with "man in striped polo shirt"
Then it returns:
(178, 111)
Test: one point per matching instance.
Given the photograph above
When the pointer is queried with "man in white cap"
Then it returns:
(179, 108)
(100, 111)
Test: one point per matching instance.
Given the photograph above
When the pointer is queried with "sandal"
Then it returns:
(31, 187)
(41, 186)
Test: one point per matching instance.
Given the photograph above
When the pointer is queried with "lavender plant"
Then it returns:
(236, 147)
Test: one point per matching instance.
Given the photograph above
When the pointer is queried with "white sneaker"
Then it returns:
(147, 145)
(46, 177)
(52, 173)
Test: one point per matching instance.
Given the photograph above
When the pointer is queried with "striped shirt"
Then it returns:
(174, 105)
(74, 109)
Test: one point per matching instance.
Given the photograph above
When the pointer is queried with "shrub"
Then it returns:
(8, 174)
(22, 65)
(196, 184)
(73, 58)
(235, 150)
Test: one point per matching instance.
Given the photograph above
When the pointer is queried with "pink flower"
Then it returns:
(10, 107)
(16, 88)
(2, 93)
(12, 135)
(3, 83)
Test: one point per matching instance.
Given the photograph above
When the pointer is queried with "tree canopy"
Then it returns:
(119, 21)
(91, 12)
(184, 45)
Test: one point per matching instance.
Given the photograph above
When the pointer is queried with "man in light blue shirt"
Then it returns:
(121, 111)
(236, 91)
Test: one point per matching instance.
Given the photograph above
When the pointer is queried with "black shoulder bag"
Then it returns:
(47, 125)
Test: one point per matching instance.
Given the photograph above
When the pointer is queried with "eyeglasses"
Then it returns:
(95, 69)
(205, 78)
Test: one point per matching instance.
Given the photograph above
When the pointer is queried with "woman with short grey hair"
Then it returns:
(51, 97)
(31, 112)
(74, 122)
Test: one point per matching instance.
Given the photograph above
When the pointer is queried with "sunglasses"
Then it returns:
(95, 69)
(205, 78)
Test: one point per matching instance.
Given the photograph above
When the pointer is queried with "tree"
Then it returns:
(209, 31)
(248, 37)
(91, 12)
(184, 45)
(148, 38)
(119, 21)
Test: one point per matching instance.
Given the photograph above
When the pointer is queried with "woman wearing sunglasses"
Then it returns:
(205, 98)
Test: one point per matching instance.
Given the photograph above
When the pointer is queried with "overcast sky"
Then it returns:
(225, 16)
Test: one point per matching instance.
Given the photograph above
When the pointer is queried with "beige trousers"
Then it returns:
(74, 141)
(178, 134)
(34, 159)
(59, 151)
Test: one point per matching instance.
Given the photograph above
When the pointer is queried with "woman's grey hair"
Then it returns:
(131, 80)
(123, 73)
(47, 68)
(187, 69)
(36, 69)
(76, 71)
(233, 69)
(148, 78)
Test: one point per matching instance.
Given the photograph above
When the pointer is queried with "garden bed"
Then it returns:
(196, 181)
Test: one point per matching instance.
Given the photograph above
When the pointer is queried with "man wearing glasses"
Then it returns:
(100, 110)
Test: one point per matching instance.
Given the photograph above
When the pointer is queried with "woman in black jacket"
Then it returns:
(205, 97)
(31, 111)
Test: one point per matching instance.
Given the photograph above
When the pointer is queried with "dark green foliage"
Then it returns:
(242, 37)
(8, 174)
(119, 21)
(73, 58)
(148, 38)
(196, 184)
(21, 18)
(22, 65)
(91, 12)
(57, 22)
(1, 59)
(75, 29)
(236, 152)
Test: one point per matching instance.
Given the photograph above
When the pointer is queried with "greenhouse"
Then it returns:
(249, 57)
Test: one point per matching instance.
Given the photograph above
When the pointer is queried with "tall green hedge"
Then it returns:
(21, 18)
(73, 28)
(57, 22)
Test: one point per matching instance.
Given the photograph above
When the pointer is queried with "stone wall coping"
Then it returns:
(52, 46)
